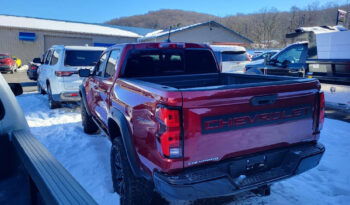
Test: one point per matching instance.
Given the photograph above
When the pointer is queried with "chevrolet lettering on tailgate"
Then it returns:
(223, 123)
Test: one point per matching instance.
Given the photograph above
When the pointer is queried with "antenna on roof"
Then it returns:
(168, 40)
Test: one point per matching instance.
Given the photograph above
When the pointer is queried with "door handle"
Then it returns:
(263, 100)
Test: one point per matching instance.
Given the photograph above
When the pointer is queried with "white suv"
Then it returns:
(232, 59)
(58, 73)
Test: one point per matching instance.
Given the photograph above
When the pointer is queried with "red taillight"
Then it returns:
(169, 132)
(64, 73)
(170, 118)
(8, 61)
(322, 111)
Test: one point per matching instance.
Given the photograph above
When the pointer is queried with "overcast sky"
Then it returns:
(98, 11)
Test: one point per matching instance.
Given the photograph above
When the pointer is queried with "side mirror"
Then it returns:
(16, 88)
(37, 60)
(285, 63)
(267, 59)
(84, 72)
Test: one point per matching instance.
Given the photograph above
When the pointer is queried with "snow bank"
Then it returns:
(86, 157)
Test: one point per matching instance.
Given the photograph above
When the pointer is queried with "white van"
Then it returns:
(58, 72)
(232, 59)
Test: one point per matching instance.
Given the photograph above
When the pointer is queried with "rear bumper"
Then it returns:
(239, 174)
(5, 68)
(66, 97)
(32, 75)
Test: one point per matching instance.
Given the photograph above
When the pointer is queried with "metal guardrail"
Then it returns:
(55, 184)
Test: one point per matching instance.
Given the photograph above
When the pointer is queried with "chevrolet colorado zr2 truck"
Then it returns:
(182, 129)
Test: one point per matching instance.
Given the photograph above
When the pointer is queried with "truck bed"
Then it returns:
(215, 81)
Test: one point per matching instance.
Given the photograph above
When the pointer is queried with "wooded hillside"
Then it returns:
(267, 26)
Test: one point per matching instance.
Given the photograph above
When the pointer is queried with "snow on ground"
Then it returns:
(86, 157)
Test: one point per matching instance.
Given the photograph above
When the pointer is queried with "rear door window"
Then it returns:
(54, 57)
(81, 58)
(112, 63)
(48, 57)
(101, 65)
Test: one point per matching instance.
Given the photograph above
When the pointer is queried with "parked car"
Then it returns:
(232, 59)
(18, 61)
(32, 71)
(182, 128)
(7, 64)
(58, 72)
(266, 54)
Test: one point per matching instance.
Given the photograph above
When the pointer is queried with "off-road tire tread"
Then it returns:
(137, 190)
(89, 125)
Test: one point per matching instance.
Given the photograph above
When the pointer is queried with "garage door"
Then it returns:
(67, 41)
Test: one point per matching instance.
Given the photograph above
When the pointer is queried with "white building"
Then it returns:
(27, 37)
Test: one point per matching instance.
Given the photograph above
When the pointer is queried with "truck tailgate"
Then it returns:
(220, 124)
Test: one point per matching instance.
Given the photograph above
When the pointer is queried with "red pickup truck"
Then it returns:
(183, 129)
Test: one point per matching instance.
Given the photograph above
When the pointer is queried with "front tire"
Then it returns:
(52, 103)
(132, 190)
(89, 125)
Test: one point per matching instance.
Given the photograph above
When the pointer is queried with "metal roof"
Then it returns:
(160, 33)
(63, 26)
(138, 30)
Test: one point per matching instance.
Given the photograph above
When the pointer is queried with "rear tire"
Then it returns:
(89, 125)
(52, 103)
(132, 190)
(40, 90)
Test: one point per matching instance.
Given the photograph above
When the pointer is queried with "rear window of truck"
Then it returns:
(234, 56)
(145, 63)
(81, 58)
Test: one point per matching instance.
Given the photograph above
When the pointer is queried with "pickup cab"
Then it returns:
(181, 128)
(321, 52)
(290, 61)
